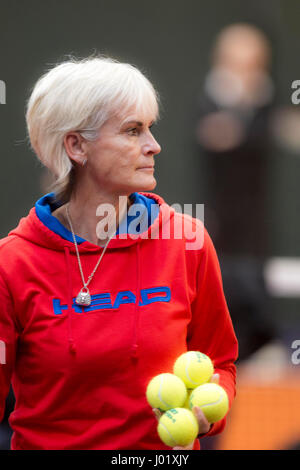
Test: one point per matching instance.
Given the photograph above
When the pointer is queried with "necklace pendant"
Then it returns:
(83, 298)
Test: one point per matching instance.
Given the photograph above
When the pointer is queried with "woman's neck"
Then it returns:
(94, 218)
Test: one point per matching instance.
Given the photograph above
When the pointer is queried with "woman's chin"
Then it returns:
(147, 184)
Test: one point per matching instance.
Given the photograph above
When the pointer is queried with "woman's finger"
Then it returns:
(188, 447)
(215, 379)
(204, 425)
(157, 413)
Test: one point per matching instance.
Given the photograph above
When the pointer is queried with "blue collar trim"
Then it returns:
(146, 212)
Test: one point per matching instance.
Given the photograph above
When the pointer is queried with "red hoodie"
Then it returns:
(79, 374)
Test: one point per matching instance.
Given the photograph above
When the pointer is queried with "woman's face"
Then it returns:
(121, 160)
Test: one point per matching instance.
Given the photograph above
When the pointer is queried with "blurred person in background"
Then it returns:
(233, 135)
(242, 132)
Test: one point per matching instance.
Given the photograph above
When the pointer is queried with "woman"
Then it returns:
(93, 307)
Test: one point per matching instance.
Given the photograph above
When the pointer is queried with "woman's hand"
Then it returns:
(204, 425)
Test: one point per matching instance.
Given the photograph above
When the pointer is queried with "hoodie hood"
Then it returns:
(41, 228)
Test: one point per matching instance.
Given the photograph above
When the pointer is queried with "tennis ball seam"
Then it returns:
(160, 393)
(186, 370)
(213, 402)
(193, 422)
(169, 434)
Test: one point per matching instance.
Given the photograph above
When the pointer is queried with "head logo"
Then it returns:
(105, 300)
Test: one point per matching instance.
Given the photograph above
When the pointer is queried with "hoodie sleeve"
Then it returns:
(210, 330)
(8, 342)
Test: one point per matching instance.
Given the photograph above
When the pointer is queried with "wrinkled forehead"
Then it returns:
(137, 114)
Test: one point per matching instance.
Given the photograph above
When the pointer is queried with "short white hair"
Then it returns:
(81, 95)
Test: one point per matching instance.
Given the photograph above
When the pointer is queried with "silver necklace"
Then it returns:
(83, 297)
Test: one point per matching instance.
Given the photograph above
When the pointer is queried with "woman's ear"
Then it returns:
(75, 147)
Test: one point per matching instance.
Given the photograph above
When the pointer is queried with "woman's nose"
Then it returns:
(152, 147)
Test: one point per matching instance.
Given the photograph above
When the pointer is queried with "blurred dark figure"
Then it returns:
(233, 134)
(232, 129)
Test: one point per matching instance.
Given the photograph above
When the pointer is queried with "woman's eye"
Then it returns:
(132, 131)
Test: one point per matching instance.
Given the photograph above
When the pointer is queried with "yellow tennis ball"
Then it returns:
(194, 368)
(166, 391)
(212, 399)
(178, 427)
